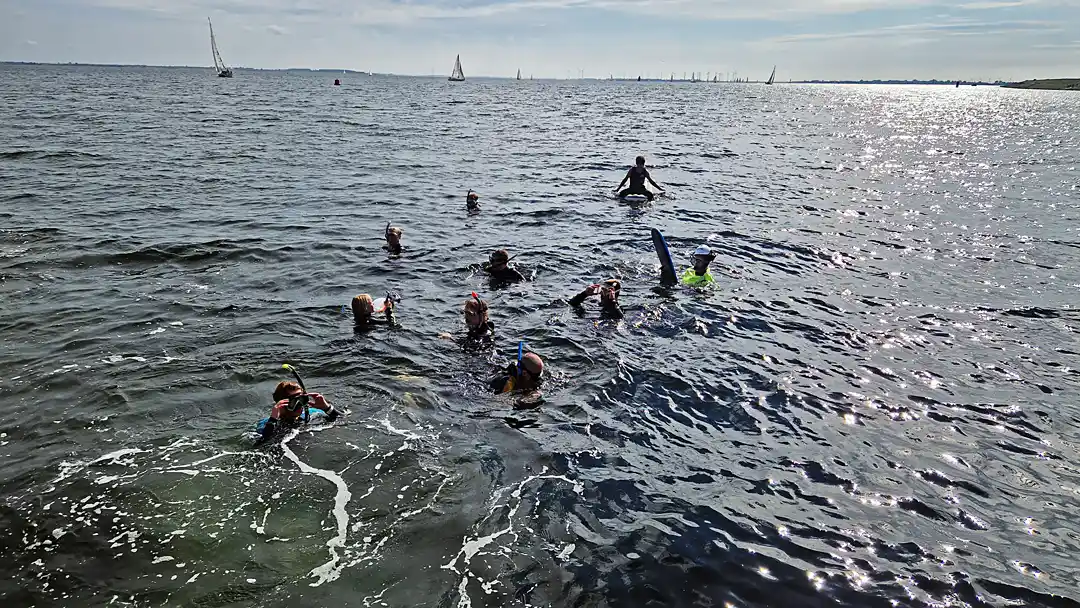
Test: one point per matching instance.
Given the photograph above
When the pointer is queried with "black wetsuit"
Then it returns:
(637, 175)
(479, 338)
(505, 275)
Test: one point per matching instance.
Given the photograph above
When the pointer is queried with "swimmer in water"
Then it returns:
(609, 298)
(472, 201)
(637, 176)
(699, 275)
(500, 270)
(363, 308)
(292, 406)
(393, 239)
(476, 319)
(524, 375)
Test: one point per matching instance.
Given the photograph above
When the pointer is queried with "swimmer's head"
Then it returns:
(609, 291)
(476, 312)
(532, 368)
(285, 390)
(701, 258)
(393, 236)
(640, 161)
(499, 258)
(472, 200)
(362, 308)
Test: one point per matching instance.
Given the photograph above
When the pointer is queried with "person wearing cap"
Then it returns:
(500, 270)
(609, 298)
(364, 309)
(523, 375)
(699, 275)
(393, 239)
(472, 201)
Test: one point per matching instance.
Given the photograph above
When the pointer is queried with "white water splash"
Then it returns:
(470, 548)
(331, 570)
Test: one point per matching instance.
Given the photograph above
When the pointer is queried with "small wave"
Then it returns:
(47, 155)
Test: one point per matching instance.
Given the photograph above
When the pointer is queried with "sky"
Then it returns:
(805, 39)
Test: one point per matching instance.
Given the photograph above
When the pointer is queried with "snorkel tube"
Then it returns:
(521, 353)
(301, 402)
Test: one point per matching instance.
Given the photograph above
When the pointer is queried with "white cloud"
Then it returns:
(277, 29)
(394, 12)
(31, 42)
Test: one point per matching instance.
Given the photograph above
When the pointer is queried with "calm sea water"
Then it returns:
(876, 405)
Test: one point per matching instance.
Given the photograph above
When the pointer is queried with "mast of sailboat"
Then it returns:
(219, 63)
(458, 74)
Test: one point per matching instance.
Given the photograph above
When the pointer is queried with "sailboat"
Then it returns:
(222, 70)
(519, 75)
(772, 76)
(458, 75)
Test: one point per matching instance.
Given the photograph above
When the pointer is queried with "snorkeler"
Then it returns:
(472, 201)
(523, 375)
(393, 239)
(637, 176)
(699, 275)
(499, 269)
(292, 406)
(476, 319)
(364, 309)
(609, 298)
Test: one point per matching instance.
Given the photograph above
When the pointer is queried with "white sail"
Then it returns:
(222, 70)
(772, 76)
(458, 75)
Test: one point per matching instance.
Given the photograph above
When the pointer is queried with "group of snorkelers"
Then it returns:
(292, 404)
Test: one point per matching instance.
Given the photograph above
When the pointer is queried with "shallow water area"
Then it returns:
(874, 406)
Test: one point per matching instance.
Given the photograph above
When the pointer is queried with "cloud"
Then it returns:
(925, 31)
(31, 42)
(397, 12)
(277, 29)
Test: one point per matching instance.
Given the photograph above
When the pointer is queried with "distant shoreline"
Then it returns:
(1051, 84)
(1058, 84)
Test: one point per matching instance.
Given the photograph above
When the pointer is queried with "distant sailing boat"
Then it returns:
(458, 75)
(772, 76)
(223, 70)
(519, 75)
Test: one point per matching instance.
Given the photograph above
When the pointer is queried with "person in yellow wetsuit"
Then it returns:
(698, 275)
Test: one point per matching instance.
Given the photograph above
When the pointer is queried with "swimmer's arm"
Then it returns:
(626, 177)
(649, 177)
(320, 403)
(580, 298)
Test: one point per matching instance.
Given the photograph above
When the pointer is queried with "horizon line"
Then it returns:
(489, 77)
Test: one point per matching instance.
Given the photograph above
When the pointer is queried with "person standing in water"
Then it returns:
(609, 298)
(393, 239)
(637, 175)
(480, 328)
(500, 270)
(363, 309)
(698, 275)
(293, 406)
(523, 375)
(472, 202)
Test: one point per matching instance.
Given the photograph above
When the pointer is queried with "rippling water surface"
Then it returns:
(876, 405)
